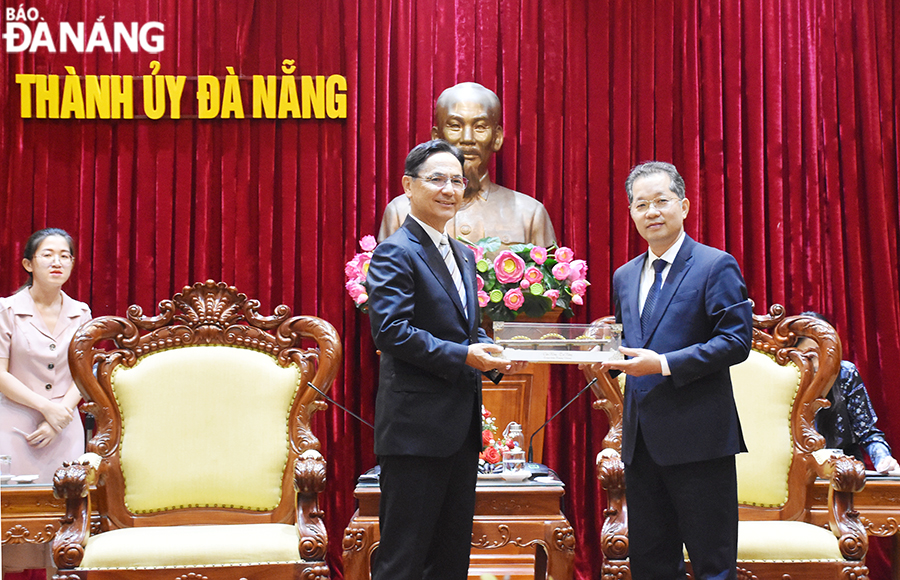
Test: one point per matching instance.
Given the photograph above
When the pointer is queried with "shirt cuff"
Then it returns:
(665, 366)
(877, 451)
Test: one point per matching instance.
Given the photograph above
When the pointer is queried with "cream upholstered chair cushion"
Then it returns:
(764, 392)
(786, 541)
(172, 400)
(154, 547)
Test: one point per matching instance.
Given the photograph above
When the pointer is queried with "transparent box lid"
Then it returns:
(559, 343)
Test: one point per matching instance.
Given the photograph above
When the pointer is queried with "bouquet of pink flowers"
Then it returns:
(528, 279)
(356, 270)
(525, 279)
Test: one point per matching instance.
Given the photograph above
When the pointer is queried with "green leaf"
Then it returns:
(535, 306)
(498, 311)
(490, 244)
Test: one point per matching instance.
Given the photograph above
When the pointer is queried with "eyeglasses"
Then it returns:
(64, 258)
(660, 203)
(438, 180)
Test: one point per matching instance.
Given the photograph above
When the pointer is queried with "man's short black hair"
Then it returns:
(421, 152)
(817, 315)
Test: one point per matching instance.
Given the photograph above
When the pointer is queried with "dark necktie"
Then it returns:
(658, 265)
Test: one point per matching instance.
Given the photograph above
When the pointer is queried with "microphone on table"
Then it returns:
(343, 408)
(533, 466)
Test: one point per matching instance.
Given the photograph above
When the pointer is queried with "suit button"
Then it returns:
(48, 386)
(52, 347)
(50, 366)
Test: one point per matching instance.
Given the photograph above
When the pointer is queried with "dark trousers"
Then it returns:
(425, 516)
(694, 504)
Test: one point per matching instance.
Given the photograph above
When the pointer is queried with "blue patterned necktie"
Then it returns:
(658, 265)
(450, 261)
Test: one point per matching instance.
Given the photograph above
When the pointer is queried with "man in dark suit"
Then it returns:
(686, 319)
(424, 315)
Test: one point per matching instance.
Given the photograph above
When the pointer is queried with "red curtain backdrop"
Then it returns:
(781, 115)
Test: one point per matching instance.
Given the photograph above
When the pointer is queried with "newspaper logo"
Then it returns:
(25, 30)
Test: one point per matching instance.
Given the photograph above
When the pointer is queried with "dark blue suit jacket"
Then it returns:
(702, 322)
(427, 396)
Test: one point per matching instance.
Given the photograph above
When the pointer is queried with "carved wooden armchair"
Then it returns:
(203, 448)
(778, 392)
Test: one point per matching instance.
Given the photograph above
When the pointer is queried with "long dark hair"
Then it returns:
(34, 242)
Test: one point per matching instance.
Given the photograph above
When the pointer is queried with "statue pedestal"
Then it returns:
(521, 397)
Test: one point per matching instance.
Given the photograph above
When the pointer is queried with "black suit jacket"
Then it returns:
(702, 322)
(427, 396)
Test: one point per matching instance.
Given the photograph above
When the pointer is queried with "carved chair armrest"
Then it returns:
(610, 469)
(614, 533)
(845, 476)
(72, 483)
(309, 482)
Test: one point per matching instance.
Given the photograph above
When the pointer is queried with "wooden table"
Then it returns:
(29, 513)
(519, 529)
(878, 505)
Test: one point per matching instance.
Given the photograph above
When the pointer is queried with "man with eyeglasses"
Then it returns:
(686, 319)
(423, 311)
(468, 116)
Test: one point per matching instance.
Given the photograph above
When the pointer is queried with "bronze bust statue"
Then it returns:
(468, 116)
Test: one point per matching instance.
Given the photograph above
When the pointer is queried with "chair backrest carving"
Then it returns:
(202, 410)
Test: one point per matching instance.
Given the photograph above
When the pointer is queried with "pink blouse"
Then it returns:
(38, 358)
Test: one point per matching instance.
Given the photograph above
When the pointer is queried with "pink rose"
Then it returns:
(561, 271)
(539, 255)
(483, 298)
(514, 299)
(479, 281)
(479, 252)
(553, 295)
(351, 270)
(533, 275)
(368, 243)
(362, 299)
(362, 264)
(579, 270)
(524, 284)
(509, 267)
(355, 289)
(564, 254)
(576, 299)
(579, 287)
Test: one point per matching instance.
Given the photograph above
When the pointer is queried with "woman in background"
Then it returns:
(39, 423)
(849, 423)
